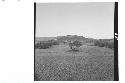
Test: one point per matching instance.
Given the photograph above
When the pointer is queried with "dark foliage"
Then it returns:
(53, 42)
(45, 44)
(105, 43)
(75, 45)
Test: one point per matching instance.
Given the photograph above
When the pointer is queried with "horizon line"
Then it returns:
(75, 35)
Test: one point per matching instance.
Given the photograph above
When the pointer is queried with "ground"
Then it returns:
(59, 63)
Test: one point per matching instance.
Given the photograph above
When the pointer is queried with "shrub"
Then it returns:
(53, 42)
(75, 45)
(45, 44)
(104, 43)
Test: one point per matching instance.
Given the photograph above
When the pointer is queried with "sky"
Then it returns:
(92, 19)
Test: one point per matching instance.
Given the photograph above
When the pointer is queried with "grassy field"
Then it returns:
(59, 63)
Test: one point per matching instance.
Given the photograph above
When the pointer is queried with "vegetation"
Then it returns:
(58, 65)
(89, 63)
(75, 45)
(105, 43)
(45, 44)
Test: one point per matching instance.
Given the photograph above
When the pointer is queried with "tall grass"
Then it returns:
(73, 68)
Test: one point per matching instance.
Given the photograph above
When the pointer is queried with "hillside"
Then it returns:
(72, 37)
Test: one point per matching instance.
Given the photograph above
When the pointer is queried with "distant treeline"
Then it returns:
(109, 43)
(45, 44)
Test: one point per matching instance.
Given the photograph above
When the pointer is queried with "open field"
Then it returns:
(59, 63)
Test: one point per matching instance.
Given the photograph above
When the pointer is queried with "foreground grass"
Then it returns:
(59, 65)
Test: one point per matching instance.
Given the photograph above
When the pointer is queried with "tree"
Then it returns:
(75, 45)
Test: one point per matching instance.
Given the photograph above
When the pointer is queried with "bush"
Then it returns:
(53, 42)
(75, 45)
(45, 44)
(104, 43)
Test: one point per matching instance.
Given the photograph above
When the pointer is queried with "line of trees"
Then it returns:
(45, 44)
(104, 43)
(74, 45)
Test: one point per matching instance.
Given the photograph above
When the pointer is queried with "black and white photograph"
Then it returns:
(76, 41)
